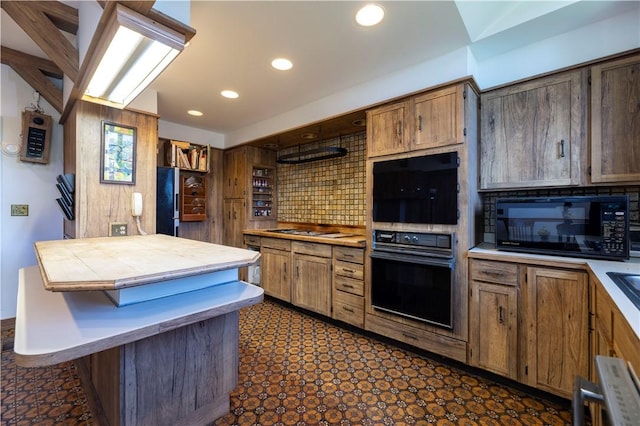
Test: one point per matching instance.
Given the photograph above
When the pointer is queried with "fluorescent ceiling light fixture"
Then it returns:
(281, 64)
(135, 51)
(229, 94)
(370, 15)
(195, 113)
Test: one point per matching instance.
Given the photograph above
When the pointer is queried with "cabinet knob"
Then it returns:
(562, 148)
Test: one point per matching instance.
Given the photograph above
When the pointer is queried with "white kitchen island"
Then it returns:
(167, 361)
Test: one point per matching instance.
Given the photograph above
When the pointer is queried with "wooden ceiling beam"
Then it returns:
(41, 20)
(141, 6)
(35, 71)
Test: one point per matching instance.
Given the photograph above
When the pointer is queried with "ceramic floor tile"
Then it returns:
(298, 370)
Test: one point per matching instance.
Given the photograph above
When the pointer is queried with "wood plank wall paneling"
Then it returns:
(99, 204)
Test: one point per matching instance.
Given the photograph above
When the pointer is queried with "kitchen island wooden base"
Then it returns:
(168, 361)
(181, 377)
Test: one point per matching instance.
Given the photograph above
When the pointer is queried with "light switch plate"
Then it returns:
(117, 229)
(19, 209)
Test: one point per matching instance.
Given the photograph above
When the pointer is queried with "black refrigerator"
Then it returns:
(167, 201)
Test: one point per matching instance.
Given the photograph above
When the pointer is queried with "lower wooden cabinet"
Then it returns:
(529, 323)
(275, 268)
(612, 336)
(348, 285)
(311, 283)
(557, 329)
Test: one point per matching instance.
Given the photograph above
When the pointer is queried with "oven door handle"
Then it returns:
(408, 258)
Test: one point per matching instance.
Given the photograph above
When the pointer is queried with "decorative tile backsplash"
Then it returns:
(489, 202)
(328, 191)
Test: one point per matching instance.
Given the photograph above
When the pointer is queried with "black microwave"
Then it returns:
(420, 189)
(581, 226)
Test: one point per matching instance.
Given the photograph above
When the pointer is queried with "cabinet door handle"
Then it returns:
(399, 129)
(562, 148)
(501, 314)
(347, 285)
(496, 274)
(285, 267)
(347, 309)
(420, 123)
(409, 336)
(349, 271)
(297, 272)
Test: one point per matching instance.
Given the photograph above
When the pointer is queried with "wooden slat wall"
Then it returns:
(99, 204)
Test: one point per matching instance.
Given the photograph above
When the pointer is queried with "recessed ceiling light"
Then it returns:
(195, 113)
(229, 94)
(281, 64)
(370, 15)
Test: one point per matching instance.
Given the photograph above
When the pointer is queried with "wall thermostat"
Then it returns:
(36, 137)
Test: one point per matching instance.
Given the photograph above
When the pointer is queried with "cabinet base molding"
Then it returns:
(423, 339)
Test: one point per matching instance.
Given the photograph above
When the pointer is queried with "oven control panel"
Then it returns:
(424, 240)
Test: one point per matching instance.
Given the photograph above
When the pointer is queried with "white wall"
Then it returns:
(169, 130)
(594, 41)
(603, 38)
(24, 183)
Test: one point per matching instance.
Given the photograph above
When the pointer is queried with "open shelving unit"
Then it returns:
(262, 192)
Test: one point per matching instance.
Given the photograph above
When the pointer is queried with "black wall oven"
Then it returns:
(420, 189)
(412, 275)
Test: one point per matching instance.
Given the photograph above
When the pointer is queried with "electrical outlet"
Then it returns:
(19, 209)
(117, 229)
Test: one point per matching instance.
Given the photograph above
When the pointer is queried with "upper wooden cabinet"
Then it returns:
(439, 117)
(615, 121)
(234, 173)
(387, 129)
(432, 119)
(534, 134)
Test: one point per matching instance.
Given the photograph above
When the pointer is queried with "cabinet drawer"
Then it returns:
(348, 308)
(443, 345)
(348, 254)
(494, 272)
(276, 243)
(351, 270)
(252, 240)
(313, 249)
(350, 285)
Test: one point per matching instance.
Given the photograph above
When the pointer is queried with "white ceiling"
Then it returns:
(236, 41)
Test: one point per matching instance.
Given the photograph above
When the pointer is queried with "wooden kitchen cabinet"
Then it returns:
(234, 222)
(612, 336)
(234, 174)
(311, 282)
(533, 134)
(529, 323)
(556, 323)
(387, 129)
(431, 119)
(348, 285)
(249, 175)
(493, 315)
(615, 121)
(275, 267)
(439, 117)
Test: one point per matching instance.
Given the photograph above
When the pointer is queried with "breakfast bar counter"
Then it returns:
(165, 361)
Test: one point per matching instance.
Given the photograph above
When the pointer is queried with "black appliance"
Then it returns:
(167, 201)
(585, 226)
(412, 274)
(417, 190)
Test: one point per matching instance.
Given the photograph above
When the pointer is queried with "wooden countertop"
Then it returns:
(599, 268)
(353, 240)
(55, 327)
(112, 263)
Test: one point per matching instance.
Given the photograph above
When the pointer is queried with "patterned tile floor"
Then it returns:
(298, 370)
